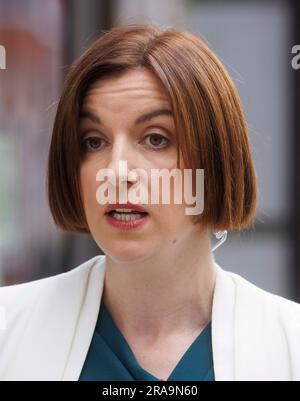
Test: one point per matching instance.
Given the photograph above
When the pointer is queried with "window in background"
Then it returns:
(32, 33)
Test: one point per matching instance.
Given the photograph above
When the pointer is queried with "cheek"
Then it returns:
(172, 218)
(88, 185)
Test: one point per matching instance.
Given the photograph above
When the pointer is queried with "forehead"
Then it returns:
(140, 84)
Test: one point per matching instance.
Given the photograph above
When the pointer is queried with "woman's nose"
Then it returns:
(122, 159)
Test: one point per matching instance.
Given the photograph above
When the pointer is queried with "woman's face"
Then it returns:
(110, 133)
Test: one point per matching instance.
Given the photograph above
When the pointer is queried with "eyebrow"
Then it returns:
(141, 119)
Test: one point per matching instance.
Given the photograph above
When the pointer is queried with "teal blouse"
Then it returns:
(110, 357)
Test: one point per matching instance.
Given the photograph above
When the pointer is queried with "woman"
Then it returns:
(155, 306)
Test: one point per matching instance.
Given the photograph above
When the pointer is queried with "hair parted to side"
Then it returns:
(211, 130)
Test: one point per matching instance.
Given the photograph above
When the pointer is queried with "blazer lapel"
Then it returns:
(249, 337)
(261, 350)
(86, 321)
(223, 321)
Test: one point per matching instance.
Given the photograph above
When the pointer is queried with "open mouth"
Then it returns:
(126, 215)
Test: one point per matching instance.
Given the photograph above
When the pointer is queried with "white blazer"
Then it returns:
(46, 327)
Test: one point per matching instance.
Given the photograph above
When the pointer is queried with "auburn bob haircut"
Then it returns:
(211, 130)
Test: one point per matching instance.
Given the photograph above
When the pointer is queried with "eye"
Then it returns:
(91, 143)
(157, 141)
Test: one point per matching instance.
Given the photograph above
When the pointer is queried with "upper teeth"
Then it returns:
(124, 210)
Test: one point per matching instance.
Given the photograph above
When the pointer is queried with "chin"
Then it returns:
(123, 251)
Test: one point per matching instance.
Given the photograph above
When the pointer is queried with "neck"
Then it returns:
(169, 293)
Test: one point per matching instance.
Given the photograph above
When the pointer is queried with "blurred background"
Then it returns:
(254, 41)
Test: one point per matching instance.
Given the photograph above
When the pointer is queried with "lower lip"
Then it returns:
(126, 225)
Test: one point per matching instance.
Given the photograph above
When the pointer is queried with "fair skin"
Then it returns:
(160, 277)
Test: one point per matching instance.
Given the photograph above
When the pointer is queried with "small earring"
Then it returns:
(221, 235)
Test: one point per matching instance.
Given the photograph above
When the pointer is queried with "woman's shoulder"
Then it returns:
(39, 319)
(261, 298)
(18, 297)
